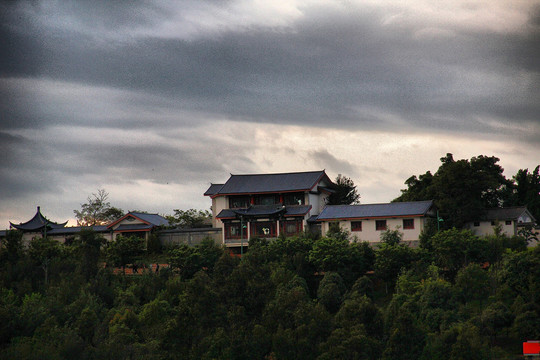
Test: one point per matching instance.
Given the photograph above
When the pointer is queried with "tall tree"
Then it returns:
(344, 192)
(43, 251)
(125, 250)
(191, 218)
(88, 248)
(526, 191)
(461, 189)
(97, 210)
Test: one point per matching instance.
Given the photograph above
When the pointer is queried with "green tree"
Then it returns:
(526, 191)
(521, 273)
(454, 249)
(461, 189)
(210, 253)
(11, 249)
(43, 251)
(406, 339)
(88, 248)
(527, 325)
(97, 210)
(472, 284)
(331, 291)
(390, 260)
(391, 237)
(353, 344)
(360, 310)
(330, 253)
(191, 218)
(186, 260)
(344, 192)
(494, 318)
(124, 250)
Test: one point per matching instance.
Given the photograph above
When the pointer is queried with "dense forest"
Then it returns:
(463, 189)
(456, 296)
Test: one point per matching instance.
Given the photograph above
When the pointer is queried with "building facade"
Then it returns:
(268, 205)
(510, 219)
(131, 224)
(366, 222)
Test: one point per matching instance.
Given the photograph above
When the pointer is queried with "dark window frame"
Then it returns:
(239, 201)
(299, 224)
(259, 199)
(259, 225)
(356, 225)
(228, 234)
(380, 225)
(408, 224)
(292, 198)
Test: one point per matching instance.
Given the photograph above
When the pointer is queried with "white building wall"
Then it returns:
(219, 203)
(485, 228)
(314, 201)
(370, 234)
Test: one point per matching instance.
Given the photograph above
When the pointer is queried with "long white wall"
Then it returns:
(485, 228)
(370, 234)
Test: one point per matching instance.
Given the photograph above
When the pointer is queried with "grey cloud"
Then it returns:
(64, 67)
(333, 164)
(327, 69)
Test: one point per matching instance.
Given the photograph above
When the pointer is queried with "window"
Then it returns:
(293, 199)
(380, 225)
(333, 226)
(266, 200)
(408, 224)
(236, 202)
(356, 226)
(291, 227)
(263, 229)
(508, 222)
(477, 223)
(233, 231)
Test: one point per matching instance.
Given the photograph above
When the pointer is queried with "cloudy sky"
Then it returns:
(154, 100)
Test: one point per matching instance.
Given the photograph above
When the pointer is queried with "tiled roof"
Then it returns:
(153, 219)
(214, 188)
(77, 229)
(265, 210)
(265, 183)
(508, 213)
(412, 208)
(296, 210)
(37, 223)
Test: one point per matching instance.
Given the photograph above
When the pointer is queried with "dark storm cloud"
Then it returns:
(115, 92)
(24, 168)
(34, 164)
(347, 68)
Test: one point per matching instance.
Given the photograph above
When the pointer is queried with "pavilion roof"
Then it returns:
(38, 222)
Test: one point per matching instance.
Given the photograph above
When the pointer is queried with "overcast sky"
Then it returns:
(154, 100)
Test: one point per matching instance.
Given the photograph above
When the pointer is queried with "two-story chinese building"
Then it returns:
(267, 205)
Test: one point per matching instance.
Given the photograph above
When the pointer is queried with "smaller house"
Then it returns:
(366, 222)
(131, 224)
(136, 224)
(511, 220)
